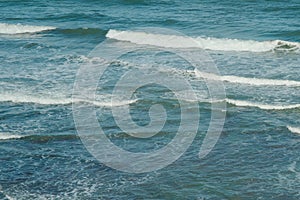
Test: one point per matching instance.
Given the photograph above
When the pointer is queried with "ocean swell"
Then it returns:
(248, 81)
(61, 101)
(210, 43)
(11, 29)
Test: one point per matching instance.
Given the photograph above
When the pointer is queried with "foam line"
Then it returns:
(7, 136)
(218, 44)
(294, 129)
(261, 106)
(248, 81)
(61, 101)
(19, 28)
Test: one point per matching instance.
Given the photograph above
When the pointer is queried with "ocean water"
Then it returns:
(254, 44)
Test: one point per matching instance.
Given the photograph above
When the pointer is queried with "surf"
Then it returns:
(11, 29)
(241, 103)
(208, 43)
(37, 138)
(294, 129)
(62, 101)
(246, 80)
(7, 136)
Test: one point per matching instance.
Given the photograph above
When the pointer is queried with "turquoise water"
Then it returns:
(254, 44)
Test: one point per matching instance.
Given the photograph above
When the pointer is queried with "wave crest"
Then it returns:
(261, 106)
(248, 81)
(7, 136)
(19, 28)
(61, 101)
(218, 44)
(294, 129)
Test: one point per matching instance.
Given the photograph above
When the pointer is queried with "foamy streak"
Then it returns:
(261, 106)
(249, 81)
(19, 28)
(6, 136)
(294, 129)
(107, 104)
(240, 103)
(174, 41)
(65, 101)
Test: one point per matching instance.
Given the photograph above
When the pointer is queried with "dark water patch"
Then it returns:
(285, 46)
(289, 34)
(165, 22)
(134, 2)
(31, 45)
(277, 8)
(72, 16)
(24, 115)
(49, 138)
(83, 31)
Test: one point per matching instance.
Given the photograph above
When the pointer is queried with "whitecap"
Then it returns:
(261, 106)
(19, 28)
(210, 43)
(8, 136)
(17, 98)
(246, 80)
(294, 129)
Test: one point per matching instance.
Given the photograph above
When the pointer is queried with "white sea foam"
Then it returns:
(108, 104)
(60, 101)
(261, 106)
(19, 28)
(218, 44)
(31, 99)
(7, 136)
(240, 103)
(249, 81)
(294, 129)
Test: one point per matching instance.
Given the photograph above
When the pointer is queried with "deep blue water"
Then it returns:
(255, 46)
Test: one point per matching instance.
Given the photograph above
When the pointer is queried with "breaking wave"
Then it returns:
(218, 44)
(60, 101)
(294, 129)
(261, 106)
(249, 81)
(19, 28)
(7, 136)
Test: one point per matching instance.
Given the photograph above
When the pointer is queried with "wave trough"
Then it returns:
(20, 29)
(217, 44)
